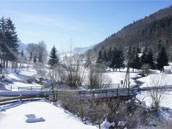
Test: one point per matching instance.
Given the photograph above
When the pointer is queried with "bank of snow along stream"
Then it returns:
(38, 115)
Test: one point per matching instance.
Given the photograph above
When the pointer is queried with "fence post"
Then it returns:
(128, 91)
(93, 94)
(138, 89)
(106, 93)
(56, 94)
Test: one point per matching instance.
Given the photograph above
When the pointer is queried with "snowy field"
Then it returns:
(165, 102)
(19, 80)
(117, 77)
(38, 115)
(159, 79)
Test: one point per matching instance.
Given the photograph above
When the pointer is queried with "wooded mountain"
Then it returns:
(147, 32)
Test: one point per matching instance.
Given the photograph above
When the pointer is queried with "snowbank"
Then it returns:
(165, 102)
(54, 117)
(160, 79)
(18, 81)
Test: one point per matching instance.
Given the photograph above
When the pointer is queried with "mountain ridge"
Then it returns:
(151, 30)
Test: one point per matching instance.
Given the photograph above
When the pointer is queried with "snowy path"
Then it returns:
(54, 117)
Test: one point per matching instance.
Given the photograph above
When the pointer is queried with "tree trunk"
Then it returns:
(99, 126)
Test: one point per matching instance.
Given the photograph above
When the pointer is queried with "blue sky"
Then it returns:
(81, 22)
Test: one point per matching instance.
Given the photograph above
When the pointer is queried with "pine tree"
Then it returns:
(162, 58)
(129, 53)
(120, 58)
(138, 50)
(113, 59)
(117, 59)
(110, 54)
(34, 59)
(144, 58)
(105, 58)
(135, 62)
(100, 58)
(9, 41)
(150, 59)
(53, 57)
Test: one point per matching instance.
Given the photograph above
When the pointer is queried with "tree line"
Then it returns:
(136, 57)
(37, 52)
(112, 58)
(8, 42)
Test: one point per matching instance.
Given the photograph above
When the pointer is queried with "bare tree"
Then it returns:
(90, 60)
(96, 78)
(42, 52)
(75, 72)
(101, 111)
(156, 94)
(57, 73)
(40, 69)
(37, 52)
(30, 49)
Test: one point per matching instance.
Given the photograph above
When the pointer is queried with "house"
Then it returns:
(167, 69)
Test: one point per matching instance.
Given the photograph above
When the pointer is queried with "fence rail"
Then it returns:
(84, 94)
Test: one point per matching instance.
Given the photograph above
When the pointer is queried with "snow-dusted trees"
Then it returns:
(22, 58)
(75, 72)
(42, 52)
(37, 52)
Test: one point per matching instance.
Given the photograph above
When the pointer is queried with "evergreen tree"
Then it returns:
(144, 58)
(100, 57)
(135, 62)
(117, 60)
(162, 58)
(53, 57)
(150, 59)
(35, 59)
(138, 50)
(120, 60)
(129, 53)
(105, 58)
(9, 41)
(110, 54)
(113, 60)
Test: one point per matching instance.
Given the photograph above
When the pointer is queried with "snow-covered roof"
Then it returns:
(167, 67)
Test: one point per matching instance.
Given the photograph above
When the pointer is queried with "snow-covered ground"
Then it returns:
(43, 115)
(159, 79)
(117, 77)
(38, 115)
(18, 80)
(166, 100)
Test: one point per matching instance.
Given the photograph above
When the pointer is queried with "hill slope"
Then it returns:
(151, 30)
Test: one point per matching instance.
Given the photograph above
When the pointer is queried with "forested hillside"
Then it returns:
(145, 33)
